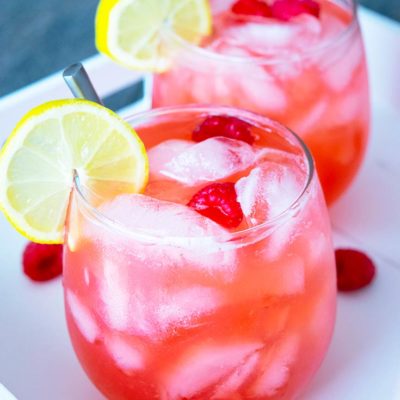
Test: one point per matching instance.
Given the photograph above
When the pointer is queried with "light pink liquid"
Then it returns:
(309, 74)
(173, 306)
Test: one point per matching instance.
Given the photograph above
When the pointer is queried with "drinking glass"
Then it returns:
(164, 303)
(309, 74)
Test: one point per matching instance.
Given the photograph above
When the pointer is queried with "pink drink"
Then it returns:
(164, 303)
(308, 73)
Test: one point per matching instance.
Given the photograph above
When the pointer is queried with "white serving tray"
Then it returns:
(36, 359)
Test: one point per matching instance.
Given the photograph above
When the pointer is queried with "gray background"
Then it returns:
(43, 36)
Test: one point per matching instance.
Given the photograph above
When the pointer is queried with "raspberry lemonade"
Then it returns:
(299, 62)
(217, 281)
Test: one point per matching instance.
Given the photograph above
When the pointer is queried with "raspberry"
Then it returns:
(223, 125)
(354, 269)
(287, 9)
(42, 262)
(256, 8)
(218, 202)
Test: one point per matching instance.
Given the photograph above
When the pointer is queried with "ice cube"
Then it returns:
(244, 84)
(271, 37)
(114, 297)
(219, 87)
(163, 153)
(163, 223)
(340, 72)
(248, 194)
(83, 318)
(153, 310)
(126, 354)
(164, 219)
(262, 37)
(290, 224)
(259, 91)
(268, 191)
(286, 42)
(278, 362)
(125, 306)
(210, 160)
(228, 388)
(308, 31)
(281, 187)
(203, 366)
(179, 308)
(264, 95)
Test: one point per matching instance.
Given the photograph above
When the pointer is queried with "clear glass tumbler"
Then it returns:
(162, 302)
(308, 73)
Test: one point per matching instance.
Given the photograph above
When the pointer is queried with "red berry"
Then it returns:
(42, 262)
(354, 269)
(223, 125)
(287, 9)
(256, 8)
(218, 202)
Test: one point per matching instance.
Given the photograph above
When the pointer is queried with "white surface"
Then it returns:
(5, 394)
(363, 363)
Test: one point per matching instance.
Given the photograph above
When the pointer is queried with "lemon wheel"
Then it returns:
(38, 162)
(131, 31)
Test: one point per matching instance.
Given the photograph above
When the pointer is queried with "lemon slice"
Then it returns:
(39, 160)
(132, 31)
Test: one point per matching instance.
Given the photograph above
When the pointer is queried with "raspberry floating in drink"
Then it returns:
(218, 201)
(285, 10)
(255, 8)
(223, 125)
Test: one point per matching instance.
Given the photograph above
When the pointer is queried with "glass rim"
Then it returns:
(273, 58)
(269, 223)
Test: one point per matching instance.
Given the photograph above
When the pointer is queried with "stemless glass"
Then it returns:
(247, 314)
(319, 89)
